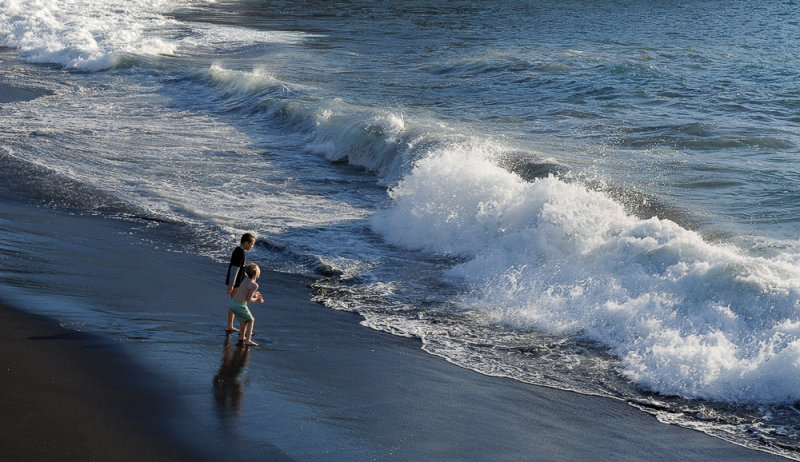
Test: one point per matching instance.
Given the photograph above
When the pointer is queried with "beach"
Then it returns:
(487, 231)
(319, 387)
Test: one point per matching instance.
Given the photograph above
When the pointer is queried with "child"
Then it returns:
(247, 292)
(236, 272)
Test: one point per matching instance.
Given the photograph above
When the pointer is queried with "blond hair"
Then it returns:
(251, 269)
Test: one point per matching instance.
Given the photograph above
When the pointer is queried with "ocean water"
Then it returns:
(598, 196)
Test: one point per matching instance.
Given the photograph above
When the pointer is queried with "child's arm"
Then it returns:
(256, 297)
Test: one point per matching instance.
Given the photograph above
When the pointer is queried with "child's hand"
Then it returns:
(259, 298)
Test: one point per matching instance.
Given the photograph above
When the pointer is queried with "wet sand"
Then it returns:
(73, 396)
(320, 386)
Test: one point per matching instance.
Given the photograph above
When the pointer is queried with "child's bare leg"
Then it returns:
(248, 338)
(243, 333)
(229, 327)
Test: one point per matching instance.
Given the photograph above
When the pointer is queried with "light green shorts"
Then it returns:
(240, 311)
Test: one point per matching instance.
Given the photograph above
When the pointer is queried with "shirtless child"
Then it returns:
(247, 292)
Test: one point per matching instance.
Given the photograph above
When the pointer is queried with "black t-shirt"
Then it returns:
(235, 274)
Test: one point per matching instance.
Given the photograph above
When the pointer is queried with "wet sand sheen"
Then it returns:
(64, 397)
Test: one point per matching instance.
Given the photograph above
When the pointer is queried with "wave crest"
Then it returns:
(685, 317)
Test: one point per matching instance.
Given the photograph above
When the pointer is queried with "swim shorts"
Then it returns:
(240, 311)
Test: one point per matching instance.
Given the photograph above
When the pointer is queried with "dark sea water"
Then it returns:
(599, 196)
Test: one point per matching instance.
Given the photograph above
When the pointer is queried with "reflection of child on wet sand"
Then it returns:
(228, 389)
(247, 292)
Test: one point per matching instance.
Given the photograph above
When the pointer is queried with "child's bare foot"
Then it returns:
(250, 343)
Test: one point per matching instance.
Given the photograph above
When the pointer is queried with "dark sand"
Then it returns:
(320, 387)
(73, 397)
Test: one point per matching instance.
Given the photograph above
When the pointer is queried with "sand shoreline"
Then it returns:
(320, 387)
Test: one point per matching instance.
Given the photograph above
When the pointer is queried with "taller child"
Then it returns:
(236, 274)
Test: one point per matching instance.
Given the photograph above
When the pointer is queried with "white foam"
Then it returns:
(216, 34)
(252, 82)
(84, 35)
(684, 316)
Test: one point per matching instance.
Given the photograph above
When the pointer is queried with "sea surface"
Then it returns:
(598, 196)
